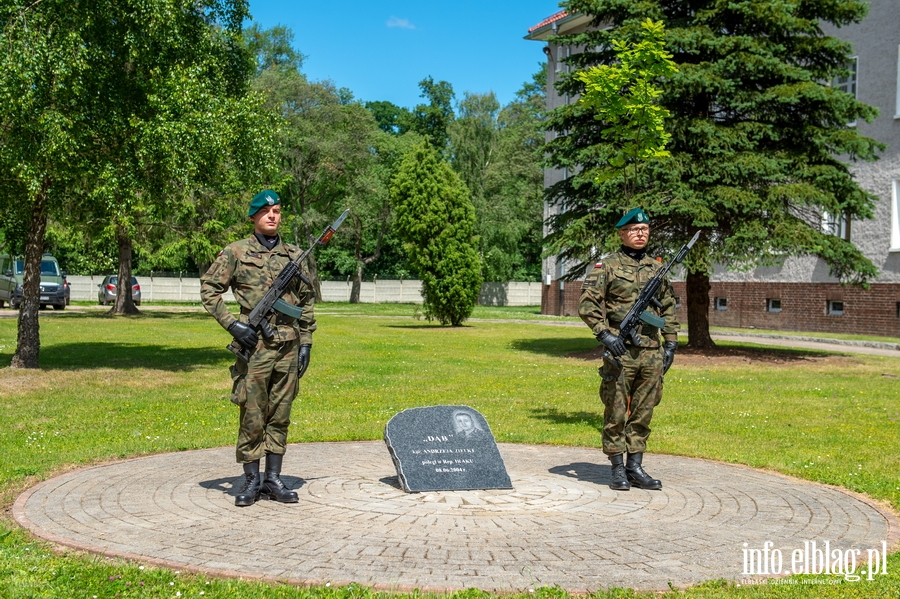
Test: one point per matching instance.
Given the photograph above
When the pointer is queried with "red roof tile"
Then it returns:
(560, 15)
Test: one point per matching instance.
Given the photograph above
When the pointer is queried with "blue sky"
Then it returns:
(380, 50)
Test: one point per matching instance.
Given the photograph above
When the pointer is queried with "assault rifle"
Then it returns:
(272, 302)
(639, 313)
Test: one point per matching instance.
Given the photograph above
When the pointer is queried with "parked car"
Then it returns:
(53, 286)
(107, 293)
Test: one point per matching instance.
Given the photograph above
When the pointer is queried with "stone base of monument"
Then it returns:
(444, 448)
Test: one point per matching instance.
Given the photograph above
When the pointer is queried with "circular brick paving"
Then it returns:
(560, 525)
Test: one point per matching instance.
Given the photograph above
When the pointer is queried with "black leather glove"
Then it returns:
(613, 343)
(303, 360)
(668, 354)
(243, 334)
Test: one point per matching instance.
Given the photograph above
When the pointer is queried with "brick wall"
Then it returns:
(803, 306)
(561, 302)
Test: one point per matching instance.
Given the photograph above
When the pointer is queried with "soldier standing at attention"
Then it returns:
(629, 395)
(265, 387)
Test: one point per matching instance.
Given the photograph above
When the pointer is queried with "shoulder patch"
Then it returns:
(222, 251)
(598, 265)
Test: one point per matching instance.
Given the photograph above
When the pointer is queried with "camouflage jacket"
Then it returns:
(612, 287)
(249, 269)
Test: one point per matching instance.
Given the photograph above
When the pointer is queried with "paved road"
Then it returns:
(560, 525)
(807, 343)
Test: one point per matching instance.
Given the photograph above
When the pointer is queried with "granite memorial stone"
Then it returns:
(444, 448)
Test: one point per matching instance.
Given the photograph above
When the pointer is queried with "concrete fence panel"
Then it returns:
(172, 289)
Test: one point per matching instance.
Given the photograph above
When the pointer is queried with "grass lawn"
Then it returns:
(118, 387)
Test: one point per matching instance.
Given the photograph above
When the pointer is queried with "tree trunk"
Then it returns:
(698, 310)
(357, 284)
(28, 345)
(362, 263)
(124, 301)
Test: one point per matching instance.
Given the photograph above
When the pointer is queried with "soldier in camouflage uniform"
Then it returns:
(629, 394)
(265, 387)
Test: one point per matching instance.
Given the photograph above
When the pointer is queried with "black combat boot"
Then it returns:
(272, 487)
(637, 476)
(249, 493)
(618, 481)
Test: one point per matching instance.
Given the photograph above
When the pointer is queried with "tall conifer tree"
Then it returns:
(436, 221)
(760, 141)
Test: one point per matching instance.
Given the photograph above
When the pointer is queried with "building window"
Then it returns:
(847, 83)
(897, 110)
(895, 216)
(773, 305)
(898, 309)
(677, 301)
(560, 55)
(721, 303)
(838, 225)
(835, 308)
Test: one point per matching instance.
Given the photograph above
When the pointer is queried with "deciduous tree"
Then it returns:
(115, 110)
(497, 152)
(433, 119)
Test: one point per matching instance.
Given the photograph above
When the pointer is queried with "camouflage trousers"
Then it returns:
(626, 425)
(265, 389)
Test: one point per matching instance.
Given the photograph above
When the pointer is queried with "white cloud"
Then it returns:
(402, 23)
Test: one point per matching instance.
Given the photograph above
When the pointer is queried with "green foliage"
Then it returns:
(273, 49)
(333, 155)
(756, 136)
(81, 254)
(436, 221)
(624, 97)
(369, 243)
(433, 119)
(390, 117)
(497, 152)
(124, 116)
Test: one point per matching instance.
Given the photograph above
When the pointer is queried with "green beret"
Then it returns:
(266, 197)
(635, 215)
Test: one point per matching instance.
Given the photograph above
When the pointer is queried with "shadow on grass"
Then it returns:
(592, 419)
(144, 315)
(585, 348)
(86, 356)
(559, 347)
(722, 354)
(436, 326)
